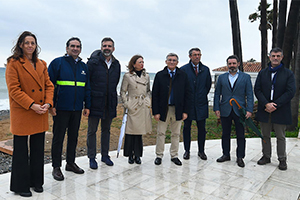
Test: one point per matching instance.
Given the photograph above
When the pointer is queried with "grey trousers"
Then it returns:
(279, 129)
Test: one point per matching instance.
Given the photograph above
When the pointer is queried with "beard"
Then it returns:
(232, 69)
(107, 52)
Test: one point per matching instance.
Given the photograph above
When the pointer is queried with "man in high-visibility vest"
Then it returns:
(72, 95)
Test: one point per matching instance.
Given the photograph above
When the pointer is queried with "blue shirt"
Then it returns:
(232, 78)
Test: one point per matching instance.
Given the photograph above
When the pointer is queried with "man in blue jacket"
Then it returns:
(274, 89)
(105, 71)
(70, 77)
(200, 83)
(233, 84)
(170, 105)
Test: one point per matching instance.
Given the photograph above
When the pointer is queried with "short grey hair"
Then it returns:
(193, 49)
(172, 54)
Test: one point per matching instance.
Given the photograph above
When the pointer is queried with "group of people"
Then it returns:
(69, 88)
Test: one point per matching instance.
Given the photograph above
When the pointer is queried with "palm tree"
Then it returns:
(274, 30)
(263, 31)
(236, 33)
(281, 23)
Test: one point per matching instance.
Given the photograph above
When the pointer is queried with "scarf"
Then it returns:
(274, 70)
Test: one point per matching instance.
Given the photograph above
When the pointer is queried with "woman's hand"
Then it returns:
(40, 109)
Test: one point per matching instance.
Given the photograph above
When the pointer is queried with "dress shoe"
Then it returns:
(176, 161)
(138, 160)
(157, 161)
(74, 168)
(223, 158)
(93, 163)
(24, 194)
(282, 165)
(263, 160)
(130, 160)
(186, 155)
(202, 155)
(107, 160)
(240, 162)
(38, 189)
(57, 174)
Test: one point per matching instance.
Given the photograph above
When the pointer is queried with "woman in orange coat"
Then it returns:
(30, 96)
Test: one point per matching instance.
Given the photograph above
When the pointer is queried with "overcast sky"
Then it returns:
(152, 28)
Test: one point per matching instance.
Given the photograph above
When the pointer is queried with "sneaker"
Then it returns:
(107, 161)
(263, 160)
(93, 163)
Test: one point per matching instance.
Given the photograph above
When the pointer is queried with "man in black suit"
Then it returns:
(170, 96)
(274, 88)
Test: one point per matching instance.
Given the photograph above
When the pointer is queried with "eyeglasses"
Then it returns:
(106, 45)
(172, 60)
(73, 46)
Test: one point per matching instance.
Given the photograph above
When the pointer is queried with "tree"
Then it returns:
(264, 35)
(281, 23)
(274, 19)
(236, 33)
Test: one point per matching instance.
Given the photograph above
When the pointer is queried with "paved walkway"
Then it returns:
(195, 179)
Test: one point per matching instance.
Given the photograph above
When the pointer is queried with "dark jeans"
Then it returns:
(187, 134)
(133, 145)
(27, 170)
(70, 121)
(93, 123)
(240, 135)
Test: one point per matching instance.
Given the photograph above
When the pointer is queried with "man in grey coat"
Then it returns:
(233, 84)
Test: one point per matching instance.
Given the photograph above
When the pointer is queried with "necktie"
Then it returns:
(196, 70)
(172, 94)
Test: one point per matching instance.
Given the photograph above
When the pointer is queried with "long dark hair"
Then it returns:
(18, 52)
(132, 62)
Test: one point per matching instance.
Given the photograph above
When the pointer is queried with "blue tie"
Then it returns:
(172, 93)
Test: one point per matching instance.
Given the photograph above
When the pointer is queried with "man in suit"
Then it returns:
(274, 89)
(200, 83)
(233, 84)
(170, 96)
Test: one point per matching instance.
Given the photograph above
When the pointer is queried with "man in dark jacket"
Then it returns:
(104, 70)
(70, 77)
(200, 83)
(170, 96)
(274, 88)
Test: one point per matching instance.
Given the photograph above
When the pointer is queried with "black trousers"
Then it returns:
(65, 121)
(187, 134)
(133, 145)
(240, 135)
(27, 170)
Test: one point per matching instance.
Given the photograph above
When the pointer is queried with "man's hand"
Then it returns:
(52, 111)
(270, 107)
(86, 112)
(184, 116)
(156, 117)
(217, 112)
(248, 114)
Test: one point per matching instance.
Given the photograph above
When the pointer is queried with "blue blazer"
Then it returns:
(241, 91)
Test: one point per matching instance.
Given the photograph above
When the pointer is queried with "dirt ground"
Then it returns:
(148, 139)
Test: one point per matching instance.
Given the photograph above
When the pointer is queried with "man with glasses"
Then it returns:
(200, 83)
(170, 105)
(104, 70)
(70, 77)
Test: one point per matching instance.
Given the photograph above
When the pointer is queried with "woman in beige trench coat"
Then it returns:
(135, 94)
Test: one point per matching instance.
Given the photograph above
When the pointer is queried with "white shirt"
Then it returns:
(108, 63)
(232, 78)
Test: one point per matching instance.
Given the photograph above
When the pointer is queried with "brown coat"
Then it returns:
(135, 94)
(26, 85)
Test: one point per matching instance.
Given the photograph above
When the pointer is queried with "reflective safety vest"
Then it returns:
(71, 83)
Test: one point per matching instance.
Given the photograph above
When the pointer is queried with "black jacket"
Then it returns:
(160, 93)
(103, 83)
(284, 91)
